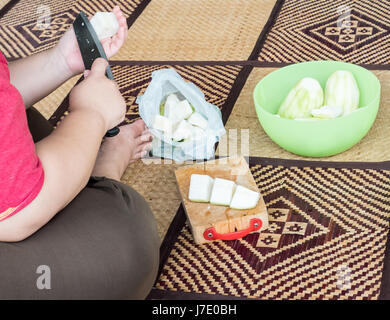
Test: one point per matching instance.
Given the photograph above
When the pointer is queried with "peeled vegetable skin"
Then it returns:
(304, 97)
(327, 112)
(342, 91)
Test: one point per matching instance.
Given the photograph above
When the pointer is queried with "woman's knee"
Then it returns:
(113, 231)
(137, 245)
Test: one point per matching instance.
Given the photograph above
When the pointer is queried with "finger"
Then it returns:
(121, 18)
(98, 67)
(86, 73)
(117, 11)
(106, 43)
(117, 40)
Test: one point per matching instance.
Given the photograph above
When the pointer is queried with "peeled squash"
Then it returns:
(183, 131)
(244, 198)
(200, 188)
(177, 110)
(196, 119)
(222, 192)
(304, 97)
(342, 91)
(105, 24)
(163, 124)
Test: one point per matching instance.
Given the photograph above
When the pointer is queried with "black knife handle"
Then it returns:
(112, 132)
(91, 48)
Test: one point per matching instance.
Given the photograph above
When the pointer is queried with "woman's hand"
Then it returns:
(96, 94)
(68, 50)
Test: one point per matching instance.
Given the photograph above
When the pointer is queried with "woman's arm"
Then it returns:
(69, 153)
(37, 76)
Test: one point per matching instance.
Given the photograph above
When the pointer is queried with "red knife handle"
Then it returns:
(211, 234)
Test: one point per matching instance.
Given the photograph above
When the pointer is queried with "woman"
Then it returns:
(62, 207)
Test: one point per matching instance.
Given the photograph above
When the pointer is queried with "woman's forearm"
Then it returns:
(68, 156)
(37, 76)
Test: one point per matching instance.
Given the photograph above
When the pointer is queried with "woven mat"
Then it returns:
(20, 36)
(216, 82)
(196, 30)
(374, 147)
(3, 3)
(347, 30)
(324, 242)
(326, 239)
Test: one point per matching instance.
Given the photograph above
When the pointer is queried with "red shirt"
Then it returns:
(21, 172)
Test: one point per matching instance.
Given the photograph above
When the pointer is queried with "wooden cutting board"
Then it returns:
(224, 220)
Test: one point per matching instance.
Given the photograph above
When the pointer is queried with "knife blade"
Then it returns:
(91, 49)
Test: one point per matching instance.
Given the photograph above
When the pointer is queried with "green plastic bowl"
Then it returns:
(320, 138)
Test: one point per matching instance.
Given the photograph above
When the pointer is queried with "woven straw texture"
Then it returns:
(21, 35)
(326, 240)
(196, 30)
(3, 3)
(328, 224)
(215, 81)
(49, 104)
(374, 147)
(353, 31)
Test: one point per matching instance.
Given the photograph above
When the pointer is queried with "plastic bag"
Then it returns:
(165, 82)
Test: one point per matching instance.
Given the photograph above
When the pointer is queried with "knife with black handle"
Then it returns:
(91, 49)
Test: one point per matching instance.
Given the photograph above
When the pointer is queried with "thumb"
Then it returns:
(98, 67)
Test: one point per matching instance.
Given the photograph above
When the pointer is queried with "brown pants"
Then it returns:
(103, 245)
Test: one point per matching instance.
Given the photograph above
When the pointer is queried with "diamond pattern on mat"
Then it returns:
(352, 31)
(21, 35)
(337, 225)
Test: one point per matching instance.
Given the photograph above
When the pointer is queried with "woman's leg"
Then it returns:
(103, 245)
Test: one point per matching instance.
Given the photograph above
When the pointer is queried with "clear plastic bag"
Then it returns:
(165, 82)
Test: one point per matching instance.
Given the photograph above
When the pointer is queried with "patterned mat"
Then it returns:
(21, 35)
(326, 239)
(216, 82)
(352, 31)
(329, 221)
